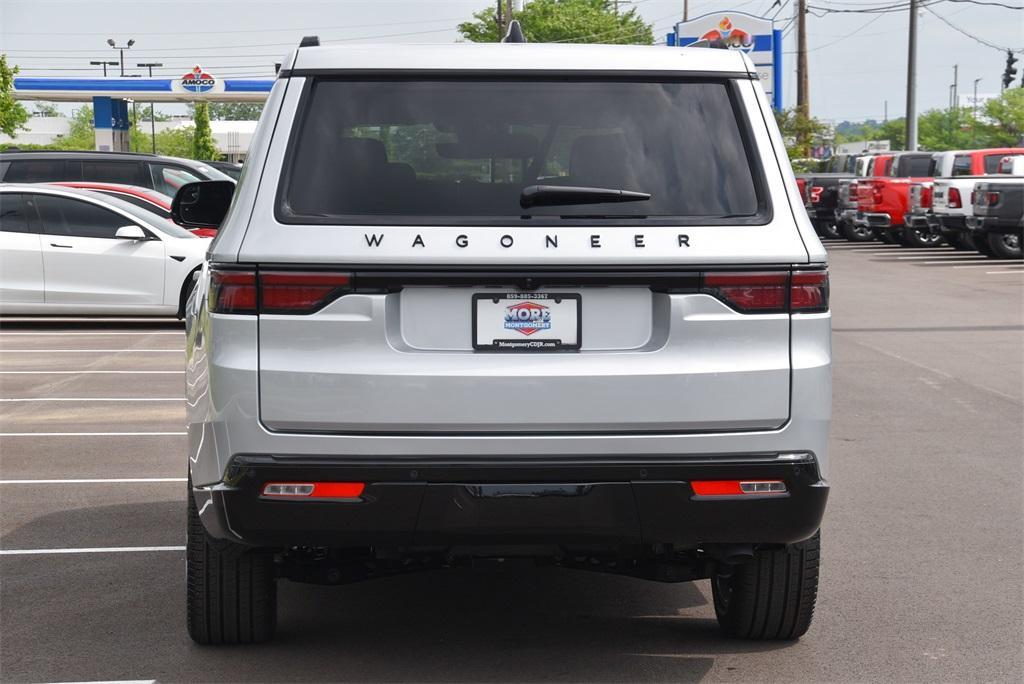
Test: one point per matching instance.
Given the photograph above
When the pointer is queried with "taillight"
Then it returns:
(737, 487)
(313, 490)
(974, 197)
(274, 292)
(232, 292)
(299, 292)
(953, 199)
(808, 291)
(770, 291)
(992, 198)
(759, 291)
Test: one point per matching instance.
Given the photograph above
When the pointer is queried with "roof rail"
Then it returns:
(309, 41)
(515, 33)
(15, 150)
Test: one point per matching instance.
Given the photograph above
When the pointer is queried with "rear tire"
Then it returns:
(1004, 245)
(915, 237)
(186, 291)
(858, 233)
(830, 230)
(231, 591)
(981, 245)
(962, 242)
(772, 596)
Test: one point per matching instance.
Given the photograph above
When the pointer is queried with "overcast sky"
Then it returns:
(857, 61)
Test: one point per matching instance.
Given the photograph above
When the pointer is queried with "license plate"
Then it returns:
(526, 321)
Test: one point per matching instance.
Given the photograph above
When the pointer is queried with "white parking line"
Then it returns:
(922, 251)
(131, 399)
(989, 265)
(162, 321)
(1002, 272)
(95, 372)
(91, 351)
(90, 434)
(62, 334)
(932, 256)
(980, 260)
(107, 549)
(112, 480)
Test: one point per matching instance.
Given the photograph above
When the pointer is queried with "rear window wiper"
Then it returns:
(555, 195)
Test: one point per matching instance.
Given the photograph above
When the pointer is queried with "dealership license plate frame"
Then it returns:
(513, 345)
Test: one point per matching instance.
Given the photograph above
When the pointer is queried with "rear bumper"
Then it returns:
(603, 503)
(994, 224)
(952, 226)
(919, 221)
(877, 220)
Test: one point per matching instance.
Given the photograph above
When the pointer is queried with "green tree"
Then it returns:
(564, 21)
(45, 109)
(232, 111)
(82, 135)
(203, 146)
(12, 114)
(798, 131)
(1007, 116)
(175, 142)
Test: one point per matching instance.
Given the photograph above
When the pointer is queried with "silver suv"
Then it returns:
(491, 301)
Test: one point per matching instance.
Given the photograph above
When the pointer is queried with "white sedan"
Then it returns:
(75, 252)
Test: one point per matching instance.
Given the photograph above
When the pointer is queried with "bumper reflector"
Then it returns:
(313, 490)
(737, 487)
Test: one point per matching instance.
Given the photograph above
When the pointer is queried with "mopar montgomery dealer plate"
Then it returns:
(526, 321)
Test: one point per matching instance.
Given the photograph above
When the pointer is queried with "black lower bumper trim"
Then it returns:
(596, 505)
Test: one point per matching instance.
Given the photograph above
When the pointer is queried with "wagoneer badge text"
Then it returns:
(508, 241)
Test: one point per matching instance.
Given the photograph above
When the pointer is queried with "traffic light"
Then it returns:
(1010, 70)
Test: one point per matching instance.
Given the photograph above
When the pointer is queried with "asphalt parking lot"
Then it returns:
(922, 554)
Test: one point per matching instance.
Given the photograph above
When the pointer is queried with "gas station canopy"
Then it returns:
(110, 96)
(190, 88)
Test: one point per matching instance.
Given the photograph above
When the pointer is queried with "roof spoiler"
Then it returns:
(515, 33)
(309, 41)
(717, 43)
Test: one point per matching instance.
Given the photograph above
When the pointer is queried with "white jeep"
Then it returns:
(559, 302)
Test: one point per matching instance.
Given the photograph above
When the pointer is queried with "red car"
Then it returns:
(144, 198)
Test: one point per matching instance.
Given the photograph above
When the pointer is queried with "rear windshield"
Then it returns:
(418, 152)
(913, 166)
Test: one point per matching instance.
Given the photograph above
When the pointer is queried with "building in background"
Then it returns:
(39, 130)
(232, 138)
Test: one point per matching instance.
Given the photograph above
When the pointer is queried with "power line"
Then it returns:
(255, 45)
(842, 38)
(270, 30)
(990, 4)
(970, 35)
(881, 9)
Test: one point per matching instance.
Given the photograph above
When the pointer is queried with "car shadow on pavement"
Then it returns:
(515, 622)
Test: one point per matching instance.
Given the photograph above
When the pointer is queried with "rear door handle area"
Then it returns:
(54, 244)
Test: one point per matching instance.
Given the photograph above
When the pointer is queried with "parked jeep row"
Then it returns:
(969, 199)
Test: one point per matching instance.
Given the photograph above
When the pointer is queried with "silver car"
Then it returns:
(559, 302)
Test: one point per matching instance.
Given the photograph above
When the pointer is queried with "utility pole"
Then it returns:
(152, 105)
(686, 10)
(912, 80)
(974, 117)
(803, 104)
(956, 88)
(885, 116)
